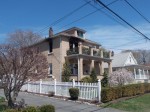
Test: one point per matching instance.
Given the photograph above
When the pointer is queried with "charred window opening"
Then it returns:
(50, 46)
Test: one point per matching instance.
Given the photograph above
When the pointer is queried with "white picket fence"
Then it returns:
(88, 91)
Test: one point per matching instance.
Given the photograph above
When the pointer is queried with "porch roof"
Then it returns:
(136, 67)
(139, 67)
(96, 58)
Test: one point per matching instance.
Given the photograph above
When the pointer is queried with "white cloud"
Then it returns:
(118, 37)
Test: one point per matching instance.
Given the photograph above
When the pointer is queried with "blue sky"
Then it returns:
(37, 14)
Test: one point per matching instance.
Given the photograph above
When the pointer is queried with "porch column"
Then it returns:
(91, 51)
(101, 53)
(134, 73)
(92, 65)
(101, 68)
(144, 74)
(80, 68)
(109, 67)
(75, 33)
(140, 73)
(80, 47)
(148, 74)
(109, 54)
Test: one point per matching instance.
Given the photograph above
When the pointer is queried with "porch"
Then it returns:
(140, 72)
(82, 65)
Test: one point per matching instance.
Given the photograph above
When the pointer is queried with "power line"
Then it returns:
(137, 11)
(122, 19)
(127, 49)
(64, 17)
(97, 9)
(130, 43)
(106, 13)
(125, 45)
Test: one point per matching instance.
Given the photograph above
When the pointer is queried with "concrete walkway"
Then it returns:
(60, 105)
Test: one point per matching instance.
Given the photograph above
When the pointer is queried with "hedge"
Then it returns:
(112, 93)
(43, 108)
(47, 108)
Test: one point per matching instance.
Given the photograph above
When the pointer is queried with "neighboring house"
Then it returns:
(81, 53)
(127, 60)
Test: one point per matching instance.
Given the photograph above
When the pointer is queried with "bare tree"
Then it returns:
(23, 38)
(18, 63)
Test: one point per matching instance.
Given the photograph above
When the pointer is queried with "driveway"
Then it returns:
(60, 105)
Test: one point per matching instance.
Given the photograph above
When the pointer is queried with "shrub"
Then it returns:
(47, 108)
(93, 76)
(127, 90)
(106, 95)
(51, 94)
(2, 99)
(30, 109)
(104, 81)
(11, 110)
(147, 88)
(111, 93)
(3, 106)
(74, 93)
(66, 72)
(86, 79)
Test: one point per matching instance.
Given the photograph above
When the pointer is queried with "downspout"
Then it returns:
(78, 69)
(60, 58)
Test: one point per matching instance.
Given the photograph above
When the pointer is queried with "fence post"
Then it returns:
(99, 90)
(73, 83)
(28, 85)
(40, 86)
(55, 86)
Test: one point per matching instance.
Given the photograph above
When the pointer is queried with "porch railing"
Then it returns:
(72, 51)
(142, 76)
(96, 53)
(106, 54)
(87, 51)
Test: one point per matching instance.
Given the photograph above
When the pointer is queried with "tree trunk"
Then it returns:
(9, 98)
(10, 103)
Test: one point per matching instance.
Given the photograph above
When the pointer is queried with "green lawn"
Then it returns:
(138, 104)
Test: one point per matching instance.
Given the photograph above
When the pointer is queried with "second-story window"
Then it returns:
(73, 43)
(50, 46)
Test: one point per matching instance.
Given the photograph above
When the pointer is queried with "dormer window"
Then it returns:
(80, 34)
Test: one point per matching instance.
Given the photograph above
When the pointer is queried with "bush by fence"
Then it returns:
(111, 93)
(74, 93)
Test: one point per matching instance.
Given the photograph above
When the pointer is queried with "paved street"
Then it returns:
(60, 105)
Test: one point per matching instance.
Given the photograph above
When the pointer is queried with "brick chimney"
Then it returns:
(50, 32)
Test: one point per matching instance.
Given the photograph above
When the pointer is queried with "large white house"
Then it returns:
(126, 60)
